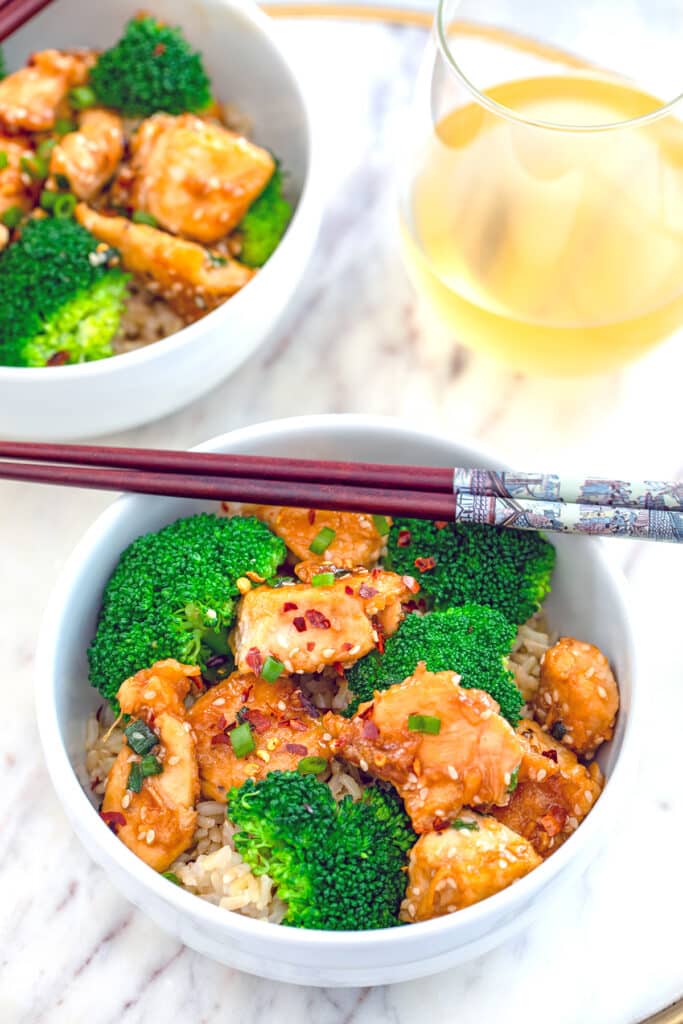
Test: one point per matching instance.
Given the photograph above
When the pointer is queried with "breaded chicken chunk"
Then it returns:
(308, 627)
(158, 822)
(183, 272)
(285, 728)
(88, 157)
(196, 178)
(16, 187)
(554, 792)
(578, 698)
(464, 753)
(356, 540)
(463, 864)
(31, 98)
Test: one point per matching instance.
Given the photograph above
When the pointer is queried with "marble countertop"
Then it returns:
(71, 948)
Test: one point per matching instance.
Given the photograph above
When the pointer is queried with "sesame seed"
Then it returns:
(572, 822)
(288, 665)
(149, 838)
(541, 774)
(588, 795)
(577, 809)
(502, 863)
(327, 737)
(547, 698)
(507, 778)
(281, 705)
(126, 800)
(355, 649)
(149, 694)
(328, 652)
(363, 764)
(186, 726)
(219, 702)
(424, 793)
(602, 692)
(453, 772)
(173, 760)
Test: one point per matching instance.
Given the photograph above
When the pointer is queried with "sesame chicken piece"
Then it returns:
(197, 178)
(88, 157)
(182, 271)
(577, 695)
(308, 627)
(16, 186)
(470, 760)
(356, 539)
(159, 821)
(31, 98)
(454, 868)
(285, 727)
(554, 792)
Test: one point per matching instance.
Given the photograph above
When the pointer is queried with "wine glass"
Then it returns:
(542, 197)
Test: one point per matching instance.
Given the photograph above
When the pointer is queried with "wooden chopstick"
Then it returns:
(14, 13)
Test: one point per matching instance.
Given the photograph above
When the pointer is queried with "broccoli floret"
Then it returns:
(173, 595)
(472, 640)
(151, 68)
(338, 867)
(507, 569)
(265, 223)
(56, 297)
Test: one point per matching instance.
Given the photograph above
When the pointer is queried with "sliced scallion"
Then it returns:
(272, 669)
(424, 723)
(46, 147)
(142, 217)
(242, 740)
(35, 166)
(47, 199)
(135, 778)
(82, 97)
(140, 737)
(63, 125)
(311, 765)
(172, 877)
(514, 780)
(11, 217)
(151, 765)
(381, 525)
(322, 540)
(64, 206)
(323, 579)
(469, 826)
(4, 160)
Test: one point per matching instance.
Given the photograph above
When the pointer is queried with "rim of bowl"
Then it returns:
(188, 334)
(79, 808)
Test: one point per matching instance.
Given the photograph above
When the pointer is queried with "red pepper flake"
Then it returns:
(260, 722)
(346, 646)
(246, 694)
(370, 730)
(365, 590)
(58, 359)
(220, 740)
(348, 590)
(440, 524)
(439, 824)
(339, 668)
(317, 619)
(425, 564)
(404, 538)
(411, 584)
(289, 606)
(380, 634)
(254, 660)
(95, 783)
(311, 516)
(113, 819)
(422, 605)
(296, 748)
(297, 725)
(159, 49)
(310, 646)
(221, 723)
(367, 712)
(299, 624)
(99, 712)
(550, 754)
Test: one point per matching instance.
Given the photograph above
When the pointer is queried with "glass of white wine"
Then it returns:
(542, 204)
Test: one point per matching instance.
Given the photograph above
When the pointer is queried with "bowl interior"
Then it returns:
(587, 601)
(230, 36)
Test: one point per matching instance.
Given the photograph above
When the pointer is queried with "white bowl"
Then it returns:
(248, 69)
(588, 601)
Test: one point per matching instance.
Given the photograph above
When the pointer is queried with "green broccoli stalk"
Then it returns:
(60, 299)
(173, 595)
(472, 640)
(151, 68)
(265, 223)
(506, 569)
(338, 867)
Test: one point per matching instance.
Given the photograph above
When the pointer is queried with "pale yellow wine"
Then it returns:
(558, 250)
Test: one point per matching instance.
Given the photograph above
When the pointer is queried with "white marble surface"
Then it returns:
(71, 949)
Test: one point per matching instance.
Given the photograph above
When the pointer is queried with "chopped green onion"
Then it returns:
(151, 765)
(46, 147)
(272, 669)
(311, 765)
(141, 217)
(64, 206)
(242, 740)
(62, 181)
(172, 877)
(514, 779)
(11, 217)
(217, 261)
(460, 823)
(135, 778)
(4, 160)
(140, 737)
(424, 723)
(323, 579)
(35, 166)
(63, 125)
(322, 541)
(82, 97)
(47, 198)
(381, 525)
(279, 581)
